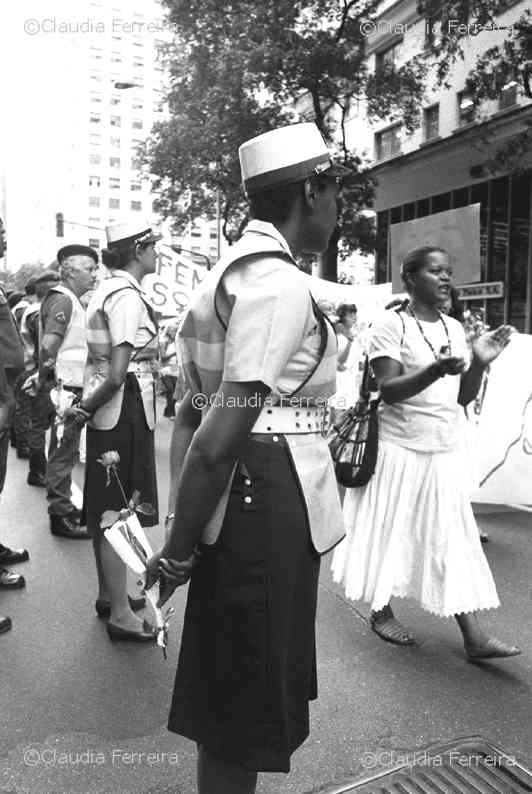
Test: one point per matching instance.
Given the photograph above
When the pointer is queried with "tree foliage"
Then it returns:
(239, 69)
(242, 67)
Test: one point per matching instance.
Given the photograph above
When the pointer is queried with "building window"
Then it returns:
(114, 182)
(115, 121)
(137, 105)
(94, 201)
(431, 122)
(94, 243)
(96, 98)
(95, 118)
(388, 142)
(116, 57)
(466, 108)
(196, 249)
(386, 58)
(96, 53)
(508, 95)
(213, 252)
(95, 159)
(95, 220)
(136, 186)
(114, 204)
(96, 77)
(137, 124)
(136, 205)
(94, 181)
(115, 142)
(138, 63)
(114, 162)
(115, 100)
(195, 233)
(95, 138)
(213, 234)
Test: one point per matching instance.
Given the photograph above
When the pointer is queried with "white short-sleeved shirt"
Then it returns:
(272, 334)
(128, 317)
(428, 421)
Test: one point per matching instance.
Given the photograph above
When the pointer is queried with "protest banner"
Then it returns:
(503, 439)
(170, 288)
(457, 231)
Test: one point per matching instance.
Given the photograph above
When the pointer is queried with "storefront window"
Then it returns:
(479, 195)
(381, 248)
(519, 236)
(499, 244)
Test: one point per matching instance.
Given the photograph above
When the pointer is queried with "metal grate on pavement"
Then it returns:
(466, 766)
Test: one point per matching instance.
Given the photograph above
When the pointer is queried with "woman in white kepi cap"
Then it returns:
(119, 402)
(253, 487)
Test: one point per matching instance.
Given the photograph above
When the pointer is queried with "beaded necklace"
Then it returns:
(422, 332)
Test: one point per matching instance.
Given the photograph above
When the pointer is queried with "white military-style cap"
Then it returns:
(284, 156)
(131, 231)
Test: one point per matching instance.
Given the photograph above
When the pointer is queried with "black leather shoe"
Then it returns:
(5, 624)
(116, 633)
(34, 478)
(10, 580)
(65, 527)
(10, 556)
(23, 453)
(103, 608)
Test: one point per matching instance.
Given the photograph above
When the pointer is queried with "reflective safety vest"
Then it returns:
(143, 360)
(72, 355)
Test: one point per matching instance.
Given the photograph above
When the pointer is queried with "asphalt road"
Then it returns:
(84, 715)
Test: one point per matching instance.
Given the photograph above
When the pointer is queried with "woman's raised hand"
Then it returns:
(489, 345)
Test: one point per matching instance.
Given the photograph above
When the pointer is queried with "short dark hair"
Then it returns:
(119, 255)
(275, 205)
(417, 258)
(345, 308)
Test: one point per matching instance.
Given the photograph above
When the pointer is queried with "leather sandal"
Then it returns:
(103, 607)
(392, 631)
(10, 580)
(117, 633)
(491, 649)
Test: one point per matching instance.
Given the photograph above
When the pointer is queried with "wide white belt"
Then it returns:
(143, 367)
(275, 419)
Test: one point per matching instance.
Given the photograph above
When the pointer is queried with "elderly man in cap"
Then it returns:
(254, 497)
(62, 358)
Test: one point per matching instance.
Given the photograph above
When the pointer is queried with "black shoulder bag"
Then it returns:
(354, 439)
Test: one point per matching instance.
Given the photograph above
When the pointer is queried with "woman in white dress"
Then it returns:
(411, 529)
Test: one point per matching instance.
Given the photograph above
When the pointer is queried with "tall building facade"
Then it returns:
(444, 163)
(91, 85)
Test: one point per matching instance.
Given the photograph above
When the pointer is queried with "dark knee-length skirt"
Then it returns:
(134, 442)
(247, 664)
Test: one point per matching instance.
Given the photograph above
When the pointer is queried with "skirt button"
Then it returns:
(247, 500)
(275, 438)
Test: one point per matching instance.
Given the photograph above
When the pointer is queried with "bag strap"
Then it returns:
(322, 320)
(151, 314)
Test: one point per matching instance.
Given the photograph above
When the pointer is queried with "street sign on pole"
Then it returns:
(483, 291)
